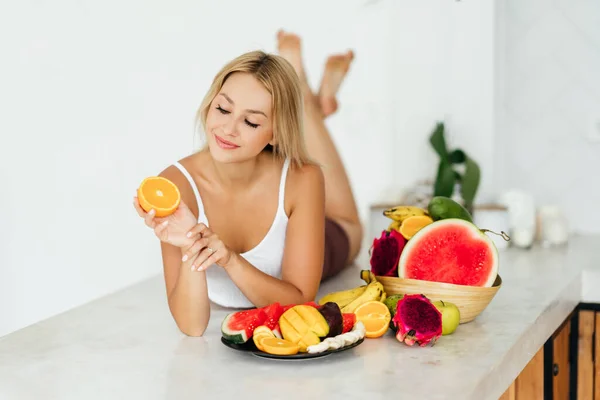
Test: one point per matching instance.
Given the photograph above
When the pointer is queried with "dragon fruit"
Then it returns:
(417, 320)
(385, 253)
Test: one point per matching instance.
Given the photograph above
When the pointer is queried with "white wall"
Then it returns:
(548, 134)
(96, 96)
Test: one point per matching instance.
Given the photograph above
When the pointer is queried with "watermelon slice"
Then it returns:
(452, 251)
(239, 326)
(273, 312)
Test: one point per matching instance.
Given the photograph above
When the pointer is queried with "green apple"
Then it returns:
(450, 316)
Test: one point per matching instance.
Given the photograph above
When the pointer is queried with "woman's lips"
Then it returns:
(224, 144)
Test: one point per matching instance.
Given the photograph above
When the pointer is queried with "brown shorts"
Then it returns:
(337, 249)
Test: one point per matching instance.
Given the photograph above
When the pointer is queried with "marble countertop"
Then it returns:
(126, 346)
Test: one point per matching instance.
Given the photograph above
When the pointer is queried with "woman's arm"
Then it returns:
(304, 248)
(187, 291)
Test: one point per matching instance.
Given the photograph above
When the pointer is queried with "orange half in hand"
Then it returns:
(160, 194)
(375, 316)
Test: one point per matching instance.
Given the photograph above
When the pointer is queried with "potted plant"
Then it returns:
(457, 172)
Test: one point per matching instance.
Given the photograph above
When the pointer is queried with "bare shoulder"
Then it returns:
(306, 182)
(173, 174)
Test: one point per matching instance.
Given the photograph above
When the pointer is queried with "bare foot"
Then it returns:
(336, 68)
(289, 47)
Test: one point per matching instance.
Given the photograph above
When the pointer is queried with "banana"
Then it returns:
(367, 276)
(394, 226)
(343, 298)
(373, 292)
(400, 213)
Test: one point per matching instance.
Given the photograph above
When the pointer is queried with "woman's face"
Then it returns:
(239, 122)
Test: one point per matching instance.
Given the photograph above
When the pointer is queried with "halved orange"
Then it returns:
(260, 333)
(375, 316)
(411, 225)
(281, 347)
(160, 194)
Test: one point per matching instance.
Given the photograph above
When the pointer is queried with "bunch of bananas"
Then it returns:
(350, 299)
(399, 213)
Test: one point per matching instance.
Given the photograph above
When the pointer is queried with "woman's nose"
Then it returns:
(229, 128)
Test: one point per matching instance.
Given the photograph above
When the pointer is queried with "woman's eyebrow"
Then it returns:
(248, 110)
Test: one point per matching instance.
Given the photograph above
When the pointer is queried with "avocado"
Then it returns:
(441, 207)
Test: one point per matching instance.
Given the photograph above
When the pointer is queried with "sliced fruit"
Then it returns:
(303, 325)
(375, 316)
(385, 253)
(239, 326)
(452, 251)
(412, 225)
(417, 321)
(349, 321)
(160, 194)
(260, 333)
(273, 312)
(281, 347)
(333, 315)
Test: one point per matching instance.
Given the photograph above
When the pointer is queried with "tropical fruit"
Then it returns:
(442, 207)
(333, 315)
(400, 213)
(160, 194)
(385, 253)
(411, 225)
(375, 316)
(344, 297)
(303, 325)
(238, 327)
(273, 312)
(452, 251)
(417, 321)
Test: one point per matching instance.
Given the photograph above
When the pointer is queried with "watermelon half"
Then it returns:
(452, 251)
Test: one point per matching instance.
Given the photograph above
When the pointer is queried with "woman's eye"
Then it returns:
(222, 111)
(250, 124)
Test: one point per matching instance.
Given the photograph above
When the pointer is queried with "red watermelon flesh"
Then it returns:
(273, 312)
(451, 251)
(238, 327)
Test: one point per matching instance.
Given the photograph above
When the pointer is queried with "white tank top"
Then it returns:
(266, 256)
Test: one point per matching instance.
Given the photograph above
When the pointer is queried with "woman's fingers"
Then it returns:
(206, 258)
(149, 219)
(160, 230)
(199, 230)
(148, 216)
(194, 249)
(214, 256)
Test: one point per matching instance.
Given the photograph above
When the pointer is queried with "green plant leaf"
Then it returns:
(438, 141)
(457, 156)
(444, 183)
(470, 181)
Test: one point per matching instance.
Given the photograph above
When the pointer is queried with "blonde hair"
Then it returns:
(280, 79)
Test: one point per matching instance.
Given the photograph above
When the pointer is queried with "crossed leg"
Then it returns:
(340, 205)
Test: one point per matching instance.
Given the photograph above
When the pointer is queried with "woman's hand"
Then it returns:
(207, 249)
(171, 229)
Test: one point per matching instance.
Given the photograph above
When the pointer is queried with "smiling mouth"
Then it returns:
(224, 143)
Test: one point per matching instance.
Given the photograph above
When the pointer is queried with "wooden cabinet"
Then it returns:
(567, 367)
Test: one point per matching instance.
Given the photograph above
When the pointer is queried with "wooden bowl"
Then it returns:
(470, 300)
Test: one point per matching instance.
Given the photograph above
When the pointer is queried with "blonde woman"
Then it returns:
(266, 214)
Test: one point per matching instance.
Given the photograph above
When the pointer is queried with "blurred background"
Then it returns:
(96, 96)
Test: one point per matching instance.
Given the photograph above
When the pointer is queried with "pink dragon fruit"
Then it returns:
(417, 320)
(385, 253)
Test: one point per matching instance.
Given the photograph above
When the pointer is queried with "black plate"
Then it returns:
(250, 347)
